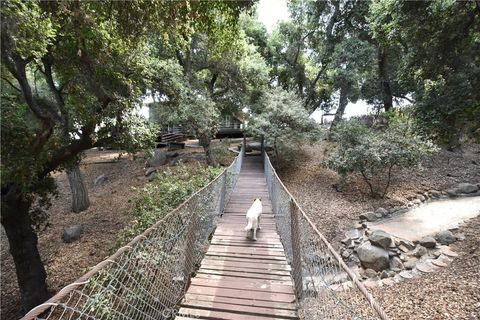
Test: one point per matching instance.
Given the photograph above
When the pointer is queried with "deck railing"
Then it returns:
(325, 287)
(147, 278)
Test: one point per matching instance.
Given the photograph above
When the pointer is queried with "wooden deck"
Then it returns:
(240, 278)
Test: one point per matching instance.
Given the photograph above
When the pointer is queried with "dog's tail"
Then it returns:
(249, 225)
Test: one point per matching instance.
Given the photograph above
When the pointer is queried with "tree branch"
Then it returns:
(403, 97)
(11, 84)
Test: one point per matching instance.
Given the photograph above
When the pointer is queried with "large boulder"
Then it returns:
(380, 238)
(445, 237)
(382, 211)
(72, 233)
(373, 257)
(369, 216)
(466, 188)
(159, 159)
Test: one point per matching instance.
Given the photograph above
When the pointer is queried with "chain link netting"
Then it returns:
(325, 287)
(147, 278)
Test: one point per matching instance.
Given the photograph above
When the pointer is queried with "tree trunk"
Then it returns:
(205, 141)
(80, 201)
(342, 104)
(384, 80)
(31, 275)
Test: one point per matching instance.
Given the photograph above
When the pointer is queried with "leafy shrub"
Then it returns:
(221, 154)
(284, 123)
(166, 192)
(375, 153)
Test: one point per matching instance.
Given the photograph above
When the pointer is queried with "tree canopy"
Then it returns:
(74, 72)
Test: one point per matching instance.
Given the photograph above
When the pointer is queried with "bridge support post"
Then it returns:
(296, 253)
(222, 194)
(189, 249)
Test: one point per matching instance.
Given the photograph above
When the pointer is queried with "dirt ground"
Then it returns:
(453, 292)
(101, 223)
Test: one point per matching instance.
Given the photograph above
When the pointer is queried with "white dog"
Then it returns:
(253, 217)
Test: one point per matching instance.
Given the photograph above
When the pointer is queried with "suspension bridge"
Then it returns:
(196, 263)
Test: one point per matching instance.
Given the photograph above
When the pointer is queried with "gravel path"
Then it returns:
(453, 292)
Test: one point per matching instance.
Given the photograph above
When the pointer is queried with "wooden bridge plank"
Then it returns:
(226, 307)
(243, 274)
(218, 315)
(244, 294)
(240, 278)
(242, 302)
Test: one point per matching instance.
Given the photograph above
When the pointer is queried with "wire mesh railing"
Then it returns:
(147, 278)
(325, 287)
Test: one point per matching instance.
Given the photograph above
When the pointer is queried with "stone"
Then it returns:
(388, 282)
(407, 243)
(369, 216)
(435, 193)
(149, 171)
(401, 210)
(370, 273)
(159, 159)
(382, 211)
(72, 233)
(439, 263)
(420, 251)
(427, 242)
(445, 237)
(410, 263)
(353, 234)
(152, 176)
(346, 253)
(396, 263)
(416, 202)
(101, 179)
(406, 274)
(448, 252)
(373, 257)
(391, 273)
(384, 274)
(353, 261)
(425, 268)
(421, 197)
(466, 188)
(380, 238)
(403, 248)
(452, 192)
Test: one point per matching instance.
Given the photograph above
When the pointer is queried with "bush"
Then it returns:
(376, 153)
(220, 153)
(166, 192)
(284, 123)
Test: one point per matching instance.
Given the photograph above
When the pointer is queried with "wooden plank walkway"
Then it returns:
(240, 278)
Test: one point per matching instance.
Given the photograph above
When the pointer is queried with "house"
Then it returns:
(231, 126)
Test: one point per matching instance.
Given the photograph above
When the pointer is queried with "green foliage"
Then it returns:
(375, 153)
(284, 123)
(221, 154)
(167, 191)
(438, 42)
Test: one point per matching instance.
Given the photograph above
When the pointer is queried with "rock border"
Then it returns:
(379, 258)
(462, 190)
